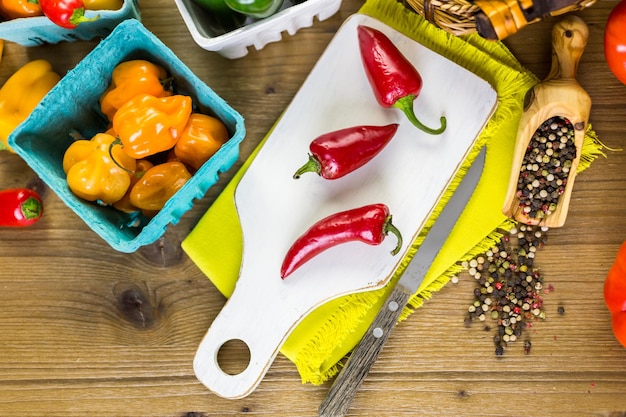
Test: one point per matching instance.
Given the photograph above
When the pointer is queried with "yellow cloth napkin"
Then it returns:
(328, 334)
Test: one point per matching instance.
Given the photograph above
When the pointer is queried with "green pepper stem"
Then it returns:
(312, 165)
(117, 141)
(31, 208)
(389, 227)
(406, 105)
(78, 16)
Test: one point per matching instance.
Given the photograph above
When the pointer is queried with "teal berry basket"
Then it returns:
(73, 105)
(35, 31)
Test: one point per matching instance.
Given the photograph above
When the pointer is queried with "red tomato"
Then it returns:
(615, 41)
(615, 294)
(619, 327)
(65, 13)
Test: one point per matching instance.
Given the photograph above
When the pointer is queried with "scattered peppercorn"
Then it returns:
(527, 346)
(545, 167)
(509, 287)
(561, 310)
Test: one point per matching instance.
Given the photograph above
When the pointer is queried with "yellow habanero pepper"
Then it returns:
(21, 93)
(92, 174)
(131, 78)
(14, 9)
(147, 125)
(158, 184)
(202, 137)
(103, 4)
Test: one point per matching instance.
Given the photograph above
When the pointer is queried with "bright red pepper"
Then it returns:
(19, 207)
(615, 41)
(369, 224)
(65, 13)
(338, 153)
(615, 294)
(395, 81)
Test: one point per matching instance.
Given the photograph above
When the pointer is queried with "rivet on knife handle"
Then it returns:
(347, 383)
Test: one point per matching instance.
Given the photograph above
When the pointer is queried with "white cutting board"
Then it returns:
(409, 175)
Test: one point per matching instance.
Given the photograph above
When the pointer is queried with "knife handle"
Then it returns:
(347, 383)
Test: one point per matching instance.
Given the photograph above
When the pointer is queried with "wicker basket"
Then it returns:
(491, 19)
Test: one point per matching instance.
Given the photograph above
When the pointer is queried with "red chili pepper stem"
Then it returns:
(31, 208)
(389, 227)
(406, 105)
(78, 16)
(312, 165)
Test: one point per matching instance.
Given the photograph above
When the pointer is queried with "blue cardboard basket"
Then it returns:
(73, 105)
(34, 31)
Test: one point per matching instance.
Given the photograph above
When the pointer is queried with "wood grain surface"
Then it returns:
(87, 331)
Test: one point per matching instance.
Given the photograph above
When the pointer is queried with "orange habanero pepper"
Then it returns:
(158, 184)
(124, 204)
(147, 125)
(14, 9)
(202, 137)
(92, 174)
(130, 78)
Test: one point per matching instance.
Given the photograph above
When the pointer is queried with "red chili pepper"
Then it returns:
(338, 153)
(369, 224)
(65, 13)
(19, 207)
(395, 81)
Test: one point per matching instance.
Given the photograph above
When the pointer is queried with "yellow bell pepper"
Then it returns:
(103, 4)
(21, 93)
(91, 172)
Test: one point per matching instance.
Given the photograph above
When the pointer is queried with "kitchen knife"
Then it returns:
(347, 383)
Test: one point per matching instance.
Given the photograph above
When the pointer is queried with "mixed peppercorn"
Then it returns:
(509, 287)
(545, 168)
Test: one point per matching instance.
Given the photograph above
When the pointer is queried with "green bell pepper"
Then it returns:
(257, 9)
(221, 18)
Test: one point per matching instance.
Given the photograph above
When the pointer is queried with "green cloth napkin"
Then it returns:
(323, 339)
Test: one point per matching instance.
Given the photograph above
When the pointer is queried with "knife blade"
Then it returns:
(347, 383)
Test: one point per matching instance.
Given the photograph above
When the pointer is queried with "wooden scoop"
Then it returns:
(560, 96)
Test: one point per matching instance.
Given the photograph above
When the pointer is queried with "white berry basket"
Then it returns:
(254, 33)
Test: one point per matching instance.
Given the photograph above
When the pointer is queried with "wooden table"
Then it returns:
(88, 331)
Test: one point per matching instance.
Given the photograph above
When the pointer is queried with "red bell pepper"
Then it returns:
(369, 224)
(19, 207)
(615, 294)
(395, 81)
(338, 153)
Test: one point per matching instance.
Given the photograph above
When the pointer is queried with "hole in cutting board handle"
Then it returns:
(233, 357)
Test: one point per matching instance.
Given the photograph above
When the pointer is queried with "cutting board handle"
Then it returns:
(263, 339)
